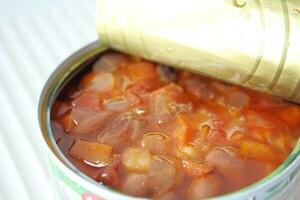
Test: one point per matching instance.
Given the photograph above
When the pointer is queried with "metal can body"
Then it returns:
(71, 184)
(253, 43)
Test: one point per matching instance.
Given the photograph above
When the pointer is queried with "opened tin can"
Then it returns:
(71, 184)
(252, 43)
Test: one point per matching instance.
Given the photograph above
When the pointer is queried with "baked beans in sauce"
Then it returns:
(148, 130)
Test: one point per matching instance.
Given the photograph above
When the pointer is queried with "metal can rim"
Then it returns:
(47, 96)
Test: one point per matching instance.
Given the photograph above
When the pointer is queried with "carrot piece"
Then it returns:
(255, 150)
(87, 79)
(141, 70)
(291, 115)
(93, 153)
(67, 122)
(204, 131)
(183, 132)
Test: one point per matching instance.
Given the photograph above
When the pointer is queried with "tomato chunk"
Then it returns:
(88, 100)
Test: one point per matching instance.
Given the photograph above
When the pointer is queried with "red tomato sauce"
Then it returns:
(148, 130)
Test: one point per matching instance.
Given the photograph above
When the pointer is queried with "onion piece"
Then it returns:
(136, 185)
(116, 104)
(109, 62)
(255, 119)
(189, 152)
(196, 169)
(225, 158)
(136, 159)
(205, 187)
(101, 82)
(237, 99)
(137, 128)
(279, 141)
(162, 175)
(80, 115)
(166, 196)
(199, 88)
(177, 108)
(117, 131)
(92, 124)
(156, 142)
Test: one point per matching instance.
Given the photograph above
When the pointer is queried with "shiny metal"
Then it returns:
(253, 43)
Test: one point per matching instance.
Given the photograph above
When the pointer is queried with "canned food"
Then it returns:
(70, 183)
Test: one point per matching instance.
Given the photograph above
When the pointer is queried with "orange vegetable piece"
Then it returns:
(86, 80)
(67, 122)
(98, 81)
(93, 153)
(290, 115)
(141, 70)
(88, 100)
(183, 132)
(259, 151)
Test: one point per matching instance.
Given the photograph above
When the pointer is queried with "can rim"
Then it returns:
(48, 95)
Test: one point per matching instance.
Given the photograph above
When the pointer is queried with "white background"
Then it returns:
(35, 36)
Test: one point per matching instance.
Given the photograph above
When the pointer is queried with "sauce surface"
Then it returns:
(148, 130)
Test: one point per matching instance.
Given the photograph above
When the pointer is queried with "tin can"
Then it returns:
(71, 184)
(252, 43)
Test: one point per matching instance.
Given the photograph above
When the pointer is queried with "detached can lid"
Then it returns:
(255, 44)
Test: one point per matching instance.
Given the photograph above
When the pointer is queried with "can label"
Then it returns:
(284, 189)
(66, 188)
